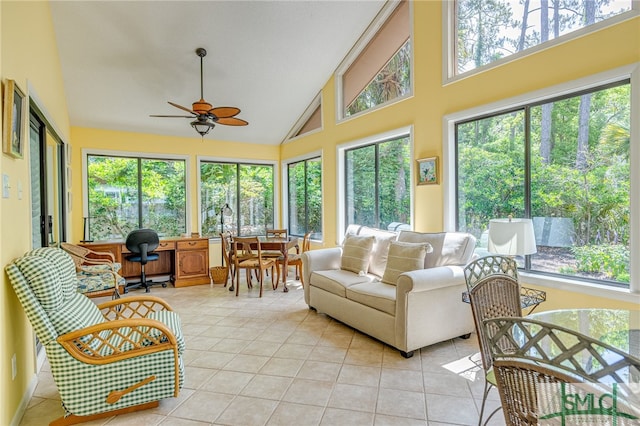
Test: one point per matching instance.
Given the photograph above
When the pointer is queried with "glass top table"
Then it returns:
(619, 328)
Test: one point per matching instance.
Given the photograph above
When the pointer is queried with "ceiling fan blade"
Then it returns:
(182, 108)
(172, 116)
(231, 121)
(224, 112)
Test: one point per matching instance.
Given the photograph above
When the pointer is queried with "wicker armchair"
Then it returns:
(120, 356)
(532, 358)
(494, 291)
(97, 272)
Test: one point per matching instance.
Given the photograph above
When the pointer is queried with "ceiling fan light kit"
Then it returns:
(206, 116)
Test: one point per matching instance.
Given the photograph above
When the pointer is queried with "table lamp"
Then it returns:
(511, 237)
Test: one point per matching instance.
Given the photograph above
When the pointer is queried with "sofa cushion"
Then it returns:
(336, 281)
(356, 251)
(449, 248)
(375, 294)
(404, 257)
(380, 250)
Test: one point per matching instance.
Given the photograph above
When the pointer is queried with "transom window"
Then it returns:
(127, 193)
(378, 71)
(487, 31)
(378, 183)
(564, 163)
(248, 191)
(304, 183)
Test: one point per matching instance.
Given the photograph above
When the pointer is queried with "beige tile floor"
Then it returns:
(272, 361)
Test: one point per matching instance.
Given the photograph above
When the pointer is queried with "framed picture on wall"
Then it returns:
(14, 112)
(428, 171)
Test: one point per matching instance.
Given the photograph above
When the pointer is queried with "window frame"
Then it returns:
(357, 49)
(631, 72)
(241, 161)
(285, 186)
(449, 41)
(136, 155)
(342, 175)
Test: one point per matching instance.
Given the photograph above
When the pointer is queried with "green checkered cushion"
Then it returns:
(171, 320)
(63, 265)
(77, 313)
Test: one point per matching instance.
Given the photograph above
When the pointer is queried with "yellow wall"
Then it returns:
(35, 58)
(29, 54)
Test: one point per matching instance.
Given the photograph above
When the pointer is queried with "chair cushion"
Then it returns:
(138, 258)
(404, 257)
(356, 252)
(336, 281)
(98, 279)
(77, 313)
(375, 294)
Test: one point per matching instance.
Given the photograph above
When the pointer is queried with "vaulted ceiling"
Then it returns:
(123, 60)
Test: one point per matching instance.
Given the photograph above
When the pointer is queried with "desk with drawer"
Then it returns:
(185, 259)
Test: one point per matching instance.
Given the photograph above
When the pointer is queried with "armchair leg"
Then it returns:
(72, 419)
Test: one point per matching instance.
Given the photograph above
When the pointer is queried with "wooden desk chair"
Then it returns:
(494, 291)
(248, 255)
(295, 259)
(532, 358)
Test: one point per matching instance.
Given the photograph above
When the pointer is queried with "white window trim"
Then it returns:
(341, 181)
(201, 158)
(632, 72)
(291, 136)
(449, 41)
(137, 154)
(285, 185)
(357, 49)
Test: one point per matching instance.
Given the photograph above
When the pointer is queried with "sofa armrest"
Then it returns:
(319, 260)
(430, 279)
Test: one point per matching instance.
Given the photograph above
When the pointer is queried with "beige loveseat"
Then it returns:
(410, 310)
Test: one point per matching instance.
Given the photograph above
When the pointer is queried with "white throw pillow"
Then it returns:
(355, 253)
(404, 257)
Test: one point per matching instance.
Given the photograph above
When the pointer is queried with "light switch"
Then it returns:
(5, 186)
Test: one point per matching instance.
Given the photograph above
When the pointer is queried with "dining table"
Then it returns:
(281, 244)
(619, 328)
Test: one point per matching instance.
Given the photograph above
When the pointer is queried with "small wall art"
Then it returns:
(428, 171)
(14, 112)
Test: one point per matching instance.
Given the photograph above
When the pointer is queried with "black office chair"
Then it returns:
(142, 242)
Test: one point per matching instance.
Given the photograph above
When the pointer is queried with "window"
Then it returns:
(565, 163)
(304, 182)
(127, 193)
(487, 31)
(246, 188)
(378, 71)
(378, 183)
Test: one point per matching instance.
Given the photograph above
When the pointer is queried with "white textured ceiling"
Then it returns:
(123, 60)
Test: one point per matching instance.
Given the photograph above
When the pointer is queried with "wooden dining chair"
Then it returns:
(295, 259)
(227, 255)
(248, 255)
(532, 357)
(494, 291)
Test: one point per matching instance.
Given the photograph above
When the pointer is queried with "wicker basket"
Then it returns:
(218, 274)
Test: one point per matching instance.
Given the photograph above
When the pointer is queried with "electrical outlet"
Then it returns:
(14, 367)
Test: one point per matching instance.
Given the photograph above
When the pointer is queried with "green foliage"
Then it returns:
(609, 259)
(589, 186)
(131, 193)
(378, 183)
(391, 82)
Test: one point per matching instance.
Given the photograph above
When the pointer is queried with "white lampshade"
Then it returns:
(511, 237)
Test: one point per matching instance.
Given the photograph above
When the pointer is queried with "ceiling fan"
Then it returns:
(206, 116)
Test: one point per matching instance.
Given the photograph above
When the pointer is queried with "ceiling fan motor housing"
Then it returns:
(201, 107)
